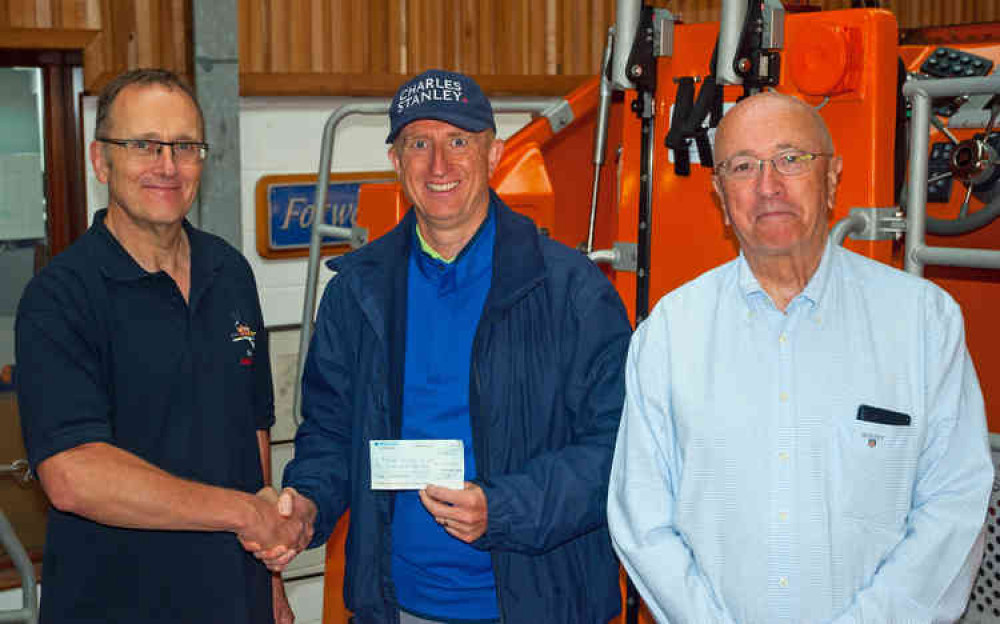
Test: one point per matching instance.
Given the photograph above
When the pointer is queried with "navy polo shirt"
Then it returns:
(107, 352)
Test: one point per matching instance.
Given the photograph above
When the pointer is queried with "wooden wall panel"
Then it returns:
(395, 25)
(361, 47)
(134, 34)
(54, 14)
(369, 43)
(527, 46)
(365, 47)
(484, 35)
(22, 14)
(277, 31)
(340, 57)
(254, 43)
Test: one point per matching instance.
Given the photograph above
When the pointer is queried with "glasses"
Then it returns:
(789, 164)
(186, 152)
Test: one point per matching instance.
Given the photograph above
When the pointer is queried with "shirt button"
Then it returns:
(782, 338)
(783, 397)
(783, 456)
(783, 581)
(782, 515)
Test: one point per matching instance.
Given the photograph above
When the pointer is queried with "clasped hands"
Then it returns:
(283, 527)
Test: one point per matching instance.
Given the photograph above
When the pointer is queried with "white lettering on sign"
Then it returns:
(303, 213)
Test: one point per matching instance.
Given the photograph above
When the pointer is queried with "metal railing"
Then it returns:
(918, 253)
(884, 223)
(28, 613)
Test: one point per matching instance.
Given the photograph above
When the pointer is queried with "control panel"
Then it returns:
(950, 63)
(939, 163)
(938, 185)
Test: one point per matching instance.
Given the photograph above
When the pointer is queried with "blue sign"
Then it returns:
(291, 209)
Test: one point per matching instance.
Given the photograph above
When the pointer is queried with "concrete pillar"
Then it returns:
(216, 79)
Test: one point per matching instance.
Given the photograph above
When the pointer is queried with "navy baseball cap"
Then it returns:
(442, 95)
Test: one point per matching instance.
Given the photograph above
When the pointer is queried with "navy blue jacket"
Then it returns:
(546, 393)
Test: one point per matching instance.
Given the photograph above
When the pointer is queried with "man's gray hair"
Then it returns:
(142, 77)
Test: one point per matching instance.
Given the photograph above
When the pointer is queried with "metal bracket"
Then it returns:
(663, 33)
(641, 58)
(621, 257)
(772, 36)
(19, 469)
(626, 257)
(757, 61)
(880, 223)
(208, 63)
(359, 237)
(560, 115)
(975, 113)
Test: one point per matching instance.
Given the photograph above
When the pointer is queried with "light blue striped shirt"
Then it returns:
(744, 489)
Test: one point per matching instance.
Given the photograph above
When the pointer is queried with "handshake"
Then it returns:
(281, 526)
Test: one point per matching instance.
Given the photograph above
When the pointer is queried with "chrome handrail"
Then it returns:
(918, 252)
(28, 613)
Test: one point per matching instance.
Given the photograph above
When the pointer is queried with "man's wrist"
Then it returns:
(246, 513)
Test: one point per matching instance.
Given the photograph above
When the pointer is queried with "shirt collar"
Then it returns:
(430, 251)
(475, 258)
(813, 294)
(118, 264)
(487, 224)
(816, 291)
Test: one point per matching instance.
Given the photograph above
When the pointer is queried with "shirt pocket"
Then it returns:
(874, 467)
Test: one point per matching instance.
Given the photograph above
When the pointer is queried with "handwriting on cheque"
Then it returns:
(414, 464)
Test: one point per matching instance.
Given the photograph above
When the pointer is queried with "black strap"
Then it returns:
(704, 148)
(689, 116)
(677, 138)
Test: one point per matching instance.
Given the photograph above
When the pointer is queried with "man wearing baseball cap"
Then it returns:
(463, 328)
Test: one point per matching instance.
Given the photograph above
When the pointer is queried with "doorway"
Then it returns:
(42, 211)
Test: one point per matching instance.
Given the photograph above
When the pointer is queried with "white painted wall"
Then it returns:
(11, 599)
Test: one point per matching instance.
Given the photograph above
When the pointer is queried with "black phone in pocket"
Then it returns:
(878, 415)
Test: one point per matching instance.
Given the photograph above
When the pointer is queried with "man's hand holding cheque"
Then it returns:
(462, 513)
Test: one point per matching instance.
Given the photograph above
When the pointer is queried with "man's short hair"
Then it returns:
(143, 77)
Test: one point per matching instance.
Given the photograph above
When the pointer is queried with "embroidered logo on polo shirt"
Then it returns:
(243, 333)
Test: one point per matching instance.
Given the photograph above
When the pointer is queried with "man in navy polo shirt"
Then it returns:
(464, 323)
(145, 391)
